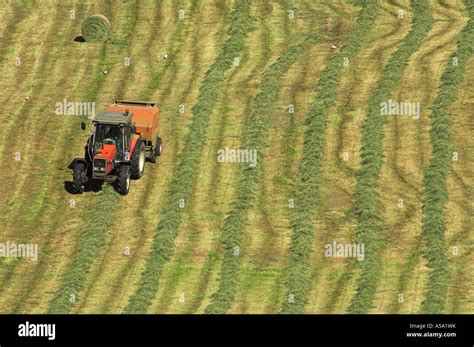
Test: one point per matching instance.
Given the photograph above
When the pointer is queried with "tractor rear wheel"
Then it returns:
(78, 177)
(123, 179)
(137, 161)
(157, 150)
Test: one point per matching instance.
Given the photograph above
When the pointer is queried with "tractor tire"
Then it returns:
(78, 174)
(157, 150)
(123, 179)
(137, 161)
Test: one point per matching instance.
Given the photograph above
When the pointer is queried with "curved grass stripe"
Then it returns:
(260, 276)
(193, 241)
(110, 193)
(369, 223)
(47, 63)
(221, 176)
(332, 282)
(262, 266)
(404, 171)
(254, 138)
(60, 221)
(170, 74)
(93, 238)
(435, 195)
(299, 271)
(229, 122)
(9, 33)
(180, 188)
(89, 245)
(117, 90)
(33, 214)
(460, 295)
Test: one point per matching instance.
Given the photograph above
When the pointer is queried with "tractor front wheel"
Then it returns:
(137, 161)
(123, 179)
(78, 177)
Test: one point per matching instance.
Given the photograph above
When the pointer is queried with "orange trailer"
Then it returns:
(145, 117)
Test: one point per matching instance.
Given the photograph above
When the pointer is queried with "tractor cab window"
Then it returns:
(108, 135)
(128, 131)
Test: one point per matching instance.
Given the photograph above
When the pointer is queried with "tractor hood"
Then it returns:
(108, 152)
(103, 162)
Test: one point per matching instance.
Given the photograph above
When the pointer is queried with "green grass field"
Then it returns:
(299, 81)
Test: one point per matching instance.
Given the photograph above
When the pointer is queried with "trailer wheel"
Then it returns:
(159, 146)
(78, 177)
(137, 161)
(123, 179)
(157, 150)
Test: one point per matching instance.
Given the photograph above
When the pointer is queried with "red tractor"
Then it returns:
(125, 134)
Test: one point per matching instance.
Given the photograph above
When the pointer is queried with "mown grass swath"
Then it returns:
(89, 244)
(254, 138)
(369, 223)
(435, 193)
(309, 176)
(49, 56)
(98, 237)
(180, 188)
(93, 238)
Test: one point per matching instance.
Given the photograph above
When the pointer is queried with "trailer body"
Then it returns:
(145, 117)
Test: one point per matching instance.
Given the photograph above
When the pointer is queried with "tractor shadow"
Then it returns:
(90, 186)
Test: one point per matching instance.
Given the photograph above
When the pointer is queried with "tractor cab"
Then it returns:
(110, 141)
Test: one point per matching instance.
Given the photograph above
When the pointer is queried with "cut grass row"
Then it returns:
(182, 88)
(435, 195)
(46, 194)
(333, 283)
(299, 270)
(261, 44)
(11, 227)
(332, 220)
(89, 244)
(211, 194)
(460, 297)
(35, 206)
(254, 138)
(266, 238)
(107, 195)
(93, 238)
(35, 84)
(276, 37)
(344, 140)
(141, 190)
(261, 53)
(180, 188)
(210, 191)
(369, 223)
(402, 174)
